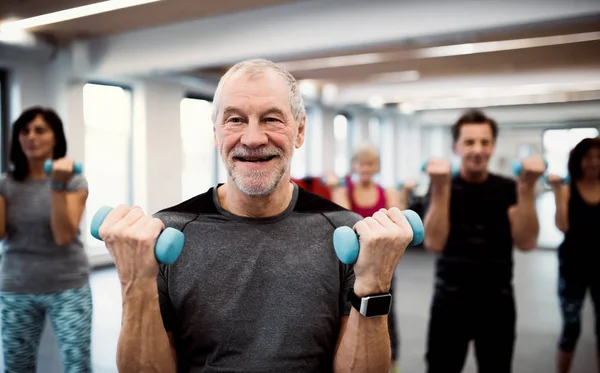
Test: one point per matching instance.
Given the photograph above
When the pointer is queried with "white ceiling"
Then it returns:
(435, 54)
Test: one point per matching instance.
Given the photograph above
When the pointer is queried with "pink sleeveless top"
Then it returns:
(365, 211)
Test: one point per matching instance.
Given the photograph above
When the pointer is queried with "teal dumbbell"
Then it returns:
(517, 167)
(345, 240)
(454, 172)
(168, 246)
(77, 167)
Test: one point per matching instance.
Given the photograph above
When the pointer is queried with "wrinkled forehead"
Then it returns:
(255, 91)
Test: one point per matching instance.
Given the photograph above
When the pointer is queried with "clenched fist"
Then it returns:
(439, 171)
(130, 237)
(62, 170)
(532, 168)
(383, 238)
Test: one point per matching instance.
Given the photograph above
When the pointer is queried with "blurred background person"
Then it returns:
(45, 271)
(578, 216)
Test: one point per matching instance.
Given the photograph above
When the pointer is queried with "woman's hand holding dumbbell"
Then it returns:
(61, 170)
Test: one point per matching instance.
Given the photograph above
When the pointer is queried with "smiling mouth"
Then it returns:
(254, 159)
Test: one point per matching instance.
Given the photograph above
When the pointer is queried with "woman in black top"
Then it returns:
(578, 215)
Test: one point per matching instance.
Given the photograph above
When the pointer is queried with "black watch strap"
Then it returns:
(371, 305)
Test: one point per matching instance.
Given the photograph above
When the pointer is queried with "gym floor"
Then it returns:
(538, 317)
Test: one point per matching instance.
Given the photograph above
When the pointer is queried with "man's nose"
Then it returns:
(254, 135)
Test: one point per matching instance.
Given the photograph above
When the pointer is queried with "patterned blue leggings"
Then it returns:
(23, 317)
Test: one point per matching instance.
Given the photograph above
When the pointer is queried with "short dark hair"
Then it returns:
(18, 160)
(473, 116)
(577, 154)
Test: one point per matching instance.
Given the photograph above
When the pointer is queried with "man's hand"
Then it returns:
(383, 238)
(130, 237)
(439, 171)
(533, 168)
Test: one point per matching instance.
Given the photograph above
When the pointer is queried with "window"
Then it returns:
(299, 168)
(197, 143)
(559, 142)
(387, 154)
(314, 140)
(374, 131)
(108, 121)
(340, 133)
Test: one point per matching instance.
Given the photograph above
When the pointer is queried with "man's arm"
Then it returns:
(363, 345)
(144, 345)
(437, 218)
(525, 226)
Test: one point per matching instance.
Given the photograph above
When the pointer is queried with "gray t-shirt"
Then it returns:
(32, 262)
(256, 294)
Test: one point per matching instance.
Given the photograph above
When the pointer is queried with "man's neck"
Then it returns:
(474, 177)
(236, 202)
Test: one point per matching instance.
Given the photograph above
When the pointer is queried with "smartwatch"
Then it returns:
(371, 305)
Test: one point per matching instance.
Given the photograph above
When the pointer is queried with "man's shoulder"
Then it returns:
(311, 203)
(180, 214)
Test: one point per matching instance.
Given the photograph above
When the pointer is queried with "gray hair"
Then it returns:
(257, 66)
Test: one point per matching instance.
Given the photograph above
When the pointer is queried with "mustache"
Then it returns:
(243, 151)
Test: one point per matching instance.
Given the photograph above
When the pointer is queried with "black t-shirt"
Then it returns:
(479, 250)
(579, 250)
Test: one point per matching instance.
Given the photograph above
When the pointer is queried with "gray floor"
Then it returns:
(538, 323)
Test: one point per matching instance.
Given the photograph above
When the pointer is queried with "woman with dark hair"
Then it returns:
(578, 215)
(45, 269)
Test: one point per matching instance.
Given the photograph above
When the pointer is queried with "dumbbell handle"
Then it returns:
(168, 246)
(345, 240)
(77, 167)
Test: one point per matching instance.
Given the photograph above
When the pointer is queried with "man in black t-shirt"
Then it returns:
(473, 220)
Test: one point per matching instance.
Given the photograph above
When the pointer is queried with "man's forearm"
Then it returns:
(437, 219)
(143, 343)
(525, 225)
(365, 346)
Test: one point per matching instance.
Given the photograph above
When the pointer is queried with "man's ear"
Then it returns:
(301, 132)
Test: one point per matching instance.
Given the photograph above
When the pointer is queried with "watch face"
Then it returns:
(378, 305)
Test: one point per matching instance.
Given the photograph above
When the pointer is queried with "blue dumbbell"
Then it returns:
(77, 167)
(517, 167)
(167, 248)
(345, 240)
(455, 168)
